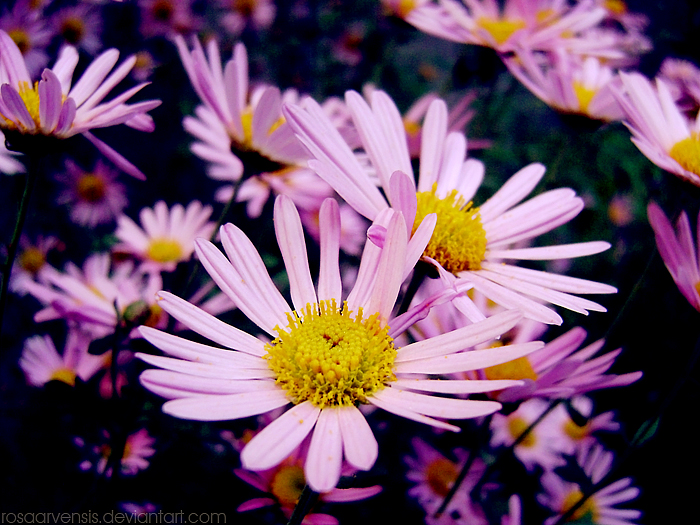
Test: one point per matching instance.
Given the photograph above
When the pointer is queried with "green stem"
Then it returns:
(306, 501)
(14, 243)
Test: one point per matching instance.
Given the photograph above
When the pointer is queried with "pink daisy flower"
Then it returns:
(434, 476)
(683, 80)
(659, 128)
(53, 108)
(238, 14)
(285, 483)
(137, 449)
(570, 84)
(543, 445)
(26, 26)
(242, 133)
(31, 260)
(324, 358)
(87, 296)
(93, 197)
(166, 237)
(582, 436)
(469, 245)
(678, 251)
(167, 18)
(600, 508)
(79, 26)
(41, 362)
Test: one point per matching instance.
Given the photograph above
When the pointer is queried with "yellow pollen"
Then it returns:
(30, 97)
(412, 128)
(91, 188)
(288, 484)
(404, 7)
(588, 509)
(519, 368)
(154, 316)
(616, 7)
(21, 39)
(516, 427)
(500, 29)
(64, 374)
(32, 259)
(584, 95)
(687, 153)
(330, 357)
(164, 250)
(459, 241)
(544, 15)
(247, 123)
(441, 475)
(575, 431)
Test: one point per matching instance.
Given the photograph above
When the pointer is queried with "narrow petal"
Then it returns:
(325, 456)
(442, 407)
(329, 282)
(359, 444)
(225, 407)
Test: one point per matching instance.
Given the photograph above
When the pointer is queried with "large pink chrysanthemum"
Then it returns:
(53, 108)
(678, 251)
(328, 354)
(659, 127)
(469, 245)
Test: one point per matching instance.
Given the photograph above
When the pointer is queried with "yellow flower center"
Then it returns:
(91, 188)
(164, 250)
(73, 30)
(331, 358)
(616, 7)
(30, 97)
(404, 7)
(162, 10)
(584, 95)
(687, 153)
(412, 128)
(575, 431)
(459, 241)
(500, 29)
(519, 368)
(64, 374)
(517, 426)
(245, 7)
(588, 509)
(21, 39)
(288, 484)
(32, 259)
(441, 475)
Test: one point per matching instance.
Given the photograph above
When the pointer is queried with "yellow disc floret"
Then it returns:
(164, 250)
(91, 188)
(519, 368)
(288, 484)
(500, 29)
(584, 95)
(517, 427)
(588, 509)
(459, 241)
(441, 475)
(66, 375)
(30, 97)
(687, 153)
(331, 357)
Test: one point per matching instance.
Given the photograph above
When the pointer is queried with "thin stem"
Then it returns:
(14, 243)
(306, 501)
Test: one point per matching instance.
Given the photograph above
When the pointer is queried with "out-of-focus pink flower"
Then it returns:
(53, 108)
(582, 436)
(678, 251)
(239, 14)
(27, 28)
(168, 18)
(79, 26)
(93, 197)
(683, 80)
(88, 296)
(137, 449)
(31, 261)
(659, 128)
(285, 484)
(41, 362)
(166, 236)
(434, 476)
(568, 83)
(621, 210)
(560, 496)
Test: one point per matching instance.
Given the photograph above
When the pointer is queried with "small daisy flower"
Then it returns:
(678, 251)
(242, 134)
(41, 362)
(93, 197)
(53, 108)
(434, 476)
(539, 25)
(543, 445)
(285, 483)
(167, 18)
(327, 355)
(88, 295)
(469, 245)
(569, 84)
(659, 128)
(166, 237)
(582, 435)
(600, 508)
(239, 14)
(79, 26)
(31, 260)
(27, 28)
(137, 449)
(683, 80)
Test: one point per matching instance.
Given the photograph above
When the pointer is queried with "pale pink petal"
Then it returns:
(226, 407)
(454, 386)
(442, 407)
(432, 139)
(359, 444)
(329, 282)
(325, 456)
